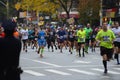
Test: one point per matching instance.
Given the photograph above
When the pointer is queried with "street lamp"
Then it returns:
(7, 7)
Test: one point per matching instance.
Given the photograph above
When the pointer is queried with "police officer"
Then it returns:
(10, 48)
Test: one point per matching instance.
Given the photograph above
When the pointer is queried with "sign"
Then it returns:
(41, 23)
(23, 15)
(74, 14)
(111, 12)
(71, 21)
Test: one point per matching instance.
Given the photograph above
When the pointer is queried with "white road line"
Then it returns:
(57, 72)
(42, 62)
(101, 70)
(86, 62)
(33, 73)
(83, 72)
(117, 68)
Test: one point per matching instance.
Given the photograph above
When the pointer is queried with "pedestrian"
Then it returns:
(105, 38)
(10, 48)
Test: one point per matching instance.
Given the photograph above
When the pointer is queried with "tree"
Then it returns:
(12, 10)
(39, 6)
(89, 10)
(66, 5)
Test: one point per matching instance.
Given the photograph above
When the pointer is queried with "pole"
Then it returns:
(101, 12)
(7, 6)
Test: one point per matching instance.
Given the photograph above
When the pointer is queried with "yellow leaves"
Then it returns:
(39, 5)
(17, 6)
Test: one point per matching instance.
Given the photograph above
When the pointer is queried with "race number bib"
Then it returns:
(65, 36)
(71, 36)
(61, 37)
(93, 36)
(82, 39)
(106, 38)
(51, 33)
(117, 36)
(35, 38)
(42, 37)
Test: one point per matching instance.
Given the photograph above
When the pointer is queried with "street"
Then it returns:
(66, 66)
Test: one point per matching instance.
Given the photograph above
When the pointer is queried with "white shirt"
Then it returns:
(117, 33)
(24, 34)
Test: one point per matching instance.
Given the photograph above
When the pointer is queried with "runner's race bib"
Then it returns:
(106, 38)
(35, 38)
(71, 36)
(42, 37)
(82, 39)
(117, 36)
(65, 36)
(61, 37)
(51, 33)
(93, 36)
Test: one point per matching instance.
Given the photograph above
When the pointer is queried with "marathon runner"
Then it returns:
(105, 37)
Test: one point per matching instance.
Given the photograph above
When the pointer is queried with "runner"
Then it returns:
(116, 31)
(31, 38)
(66, 38)
(71, 38)
(76, 39)
(41, 42)
(105, 37)
(93, 41)
(24, 35)
(81, 40)
(60, 36)
(35, 41)
(88, 31)
(52, 38)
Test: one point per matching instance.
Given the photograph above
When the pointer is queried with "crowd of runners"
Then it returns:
(78, 37)
(55, 37)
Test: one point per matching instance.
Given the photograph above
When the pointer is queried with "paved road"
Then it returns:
(65, 66)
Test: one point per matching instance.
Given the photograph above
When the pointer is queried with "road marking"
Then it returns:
(101, 70)
(117, 68)
(74, 66)
(83, 72)
(82, 62)
(57, 72)
(42, 62)
(33, 73)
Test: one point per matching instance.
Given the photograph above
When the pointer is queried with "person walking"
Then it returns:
(105, 38)
(10, 48)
